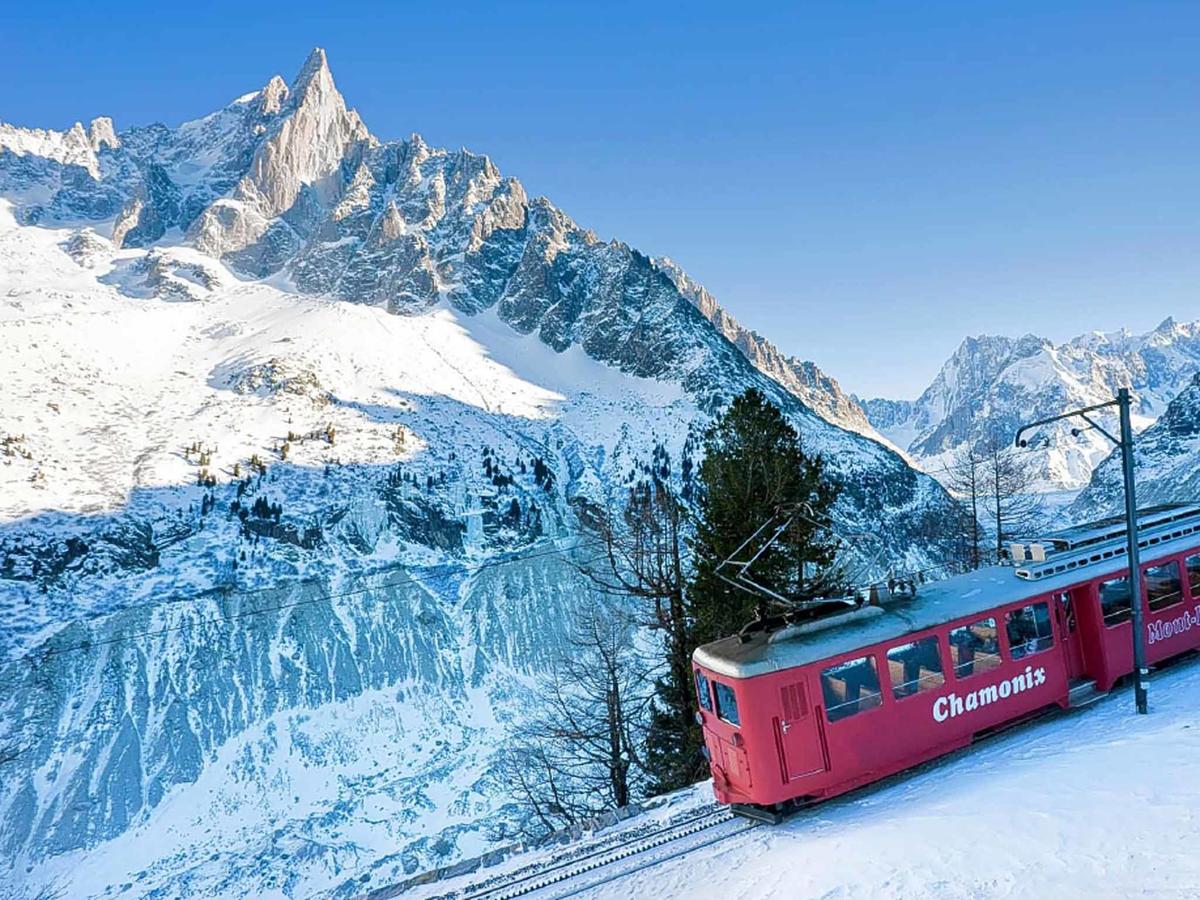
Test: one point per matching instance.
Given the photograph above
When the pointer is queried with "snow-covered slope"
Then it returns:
(295, 427)
(1167, 459)
(1074, 807)
(994, 384)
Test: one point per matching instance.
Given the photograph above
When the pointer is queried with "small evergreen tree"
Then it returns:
(753, 464)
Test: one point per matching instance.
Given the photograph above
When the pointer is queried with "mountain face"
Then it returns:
(296, 430)
(1166, 459)
(820, 392)
(995, 384)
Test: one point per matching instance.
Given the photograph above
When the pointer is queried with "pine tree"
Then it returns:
(673, 753)
(753, 464)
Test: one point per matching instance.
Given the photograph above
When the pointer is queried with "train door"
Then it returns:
(1068, 626)
(797, 733)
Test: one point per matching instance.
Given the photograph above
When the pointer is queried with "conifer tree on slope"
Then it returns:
(753, 463)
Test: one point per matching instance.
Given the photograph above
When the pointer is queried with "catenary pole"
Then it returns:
(1124, 403)
(1140, 672)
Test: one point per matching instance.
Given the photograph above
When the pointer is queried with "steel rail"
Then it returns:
(658, 860)
(568, 870)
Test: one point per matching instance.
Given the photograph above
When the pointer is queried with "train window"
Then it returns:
(1029, 630)
(1193, 570)
(702, 691)
(1116, 601)
(975, 649)
(915, 667)
(727, 709)
(1164, 587)
(851, 687)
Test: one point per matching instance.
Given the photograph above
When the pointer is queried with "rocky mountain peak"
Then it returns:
(992, 383)
(101, 134)
(295, 173)
(77, 146)
(1167, 457)
(273, 96)
(313, 85)
(1182, 415)
(309, 144)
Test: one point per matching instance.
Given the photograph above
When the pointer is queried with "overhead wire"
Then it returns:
(35, 656)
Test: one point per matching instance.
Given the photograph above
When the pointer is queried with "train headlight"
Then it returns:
(699, 717)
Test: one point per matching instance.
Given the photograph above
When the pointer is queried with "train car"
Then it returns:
(814, 709)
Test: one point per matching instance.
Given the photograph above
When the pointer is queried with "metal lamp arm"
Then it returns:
(1123, 401)
(1100, 428)
(1078, 412)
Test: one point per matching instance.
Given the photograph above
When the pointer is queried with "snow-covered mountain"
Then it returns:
(1167, 460)
(295, 425)
(994, 384)
(819, 391)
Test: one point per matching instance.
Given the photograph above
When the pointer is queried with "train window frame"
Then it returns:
(1123, 614)
(1191, 571)
(996, 658)
(722, 708)
(1040, 642)
(1174, 598)
(923, 682)
(704, 694)
(848, 709)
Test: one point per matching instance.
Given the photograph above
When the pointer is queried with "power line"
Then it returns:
(39, 655)
(215, 593)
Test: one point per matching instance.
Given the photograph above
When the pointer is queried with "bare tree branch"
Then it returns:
(579, 752)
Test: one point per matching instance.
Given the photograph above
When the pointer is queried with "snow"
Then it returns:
(1098, 802)
(71, 147)
(163, 749)
(115, 362)
(994, 382)
(361, 759)
(94, 378)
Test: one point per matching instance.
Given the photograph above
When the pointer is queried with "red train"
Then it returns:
(812, 710)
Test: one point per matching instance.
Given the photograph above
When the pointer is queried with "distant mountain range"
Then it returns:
(994, 384)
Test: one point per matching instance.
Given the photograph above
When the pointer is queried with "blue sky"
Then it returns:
(864, 183)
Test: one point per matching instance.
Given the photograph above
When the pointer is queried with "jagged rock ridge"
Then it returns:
(819, 391)
(993, 384)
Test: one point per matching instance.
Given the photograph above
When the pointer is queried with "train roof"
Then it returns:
(935, 604)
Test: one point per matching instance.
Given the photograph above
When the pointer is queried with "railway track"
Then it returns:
(650, 847)
(616, 860)
(674, 839)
